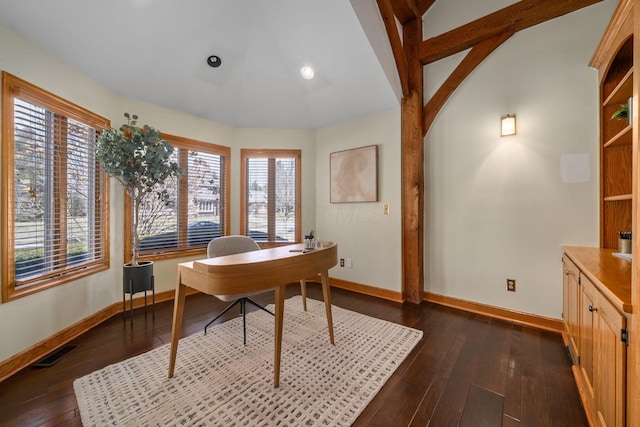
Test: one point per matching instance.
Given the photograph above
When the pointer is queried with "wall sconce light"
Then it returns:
(508, 125)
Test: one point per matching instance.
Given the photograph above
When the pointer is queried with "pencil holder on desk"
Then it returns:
(312, 243)
(624, 242)
(624, 246)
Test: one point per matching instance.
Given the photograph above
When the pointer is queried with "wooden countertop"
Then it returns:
(609, 273)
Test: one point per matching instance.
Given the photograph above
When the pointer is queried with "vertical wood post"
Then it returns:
(412, 154)
(412, 199)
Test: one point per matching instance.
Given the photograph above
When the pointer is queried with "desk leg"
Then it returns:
(280, 290)
(303, 291)
(326, 294)
(178, 311)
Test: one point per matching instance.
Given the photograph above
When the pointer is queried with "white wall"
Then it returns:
(363, 233)
(497, 208)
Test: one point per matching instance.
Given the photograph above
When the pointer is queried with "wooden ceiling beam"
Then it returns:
(424, 5)
(386, 11)
(468, 64)
(516, 17)
(405, 10)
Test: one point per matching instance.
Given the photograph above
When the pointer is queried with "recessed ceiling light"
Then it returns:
(214, 61)
(307, 72)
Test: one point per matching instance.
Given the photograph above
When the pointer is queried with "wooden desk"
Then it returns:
(251, 271)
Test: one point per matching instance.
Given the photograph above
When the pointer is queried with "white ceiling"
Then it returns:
(156, 51)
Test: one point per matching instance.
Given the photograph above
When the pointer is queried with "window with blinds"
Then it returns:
(271, 195)
(196, 211)
(55, 197)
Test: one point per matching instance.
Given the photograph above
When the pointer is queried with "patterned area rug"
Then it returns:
(217, 381)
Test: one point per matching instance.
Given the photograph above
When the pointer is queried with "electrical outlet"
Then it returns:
(385, 209)
(511, 285)
(341, 262)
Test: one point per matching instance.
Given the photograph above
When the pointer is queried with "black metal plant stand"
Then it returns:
(134, 280)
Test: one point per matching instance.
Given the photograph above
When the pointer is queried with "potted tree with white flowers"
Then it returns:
(140, 159)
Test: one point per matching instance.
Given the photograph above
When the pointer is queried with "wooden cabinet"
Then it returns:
(588, 341)
(570, 305)
(596, 292)
(602, 356)
(610, 363)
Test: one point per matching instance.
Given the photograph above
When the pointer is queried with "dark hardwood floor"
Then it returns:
(469, 370)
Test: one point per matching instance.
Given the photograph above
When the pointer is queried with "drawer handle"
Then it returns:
(567, 272)
(592, 308)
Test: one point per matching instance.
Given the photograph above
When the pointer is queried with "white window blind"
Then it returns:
(58, 219)
(271, 192)
(196, 212)
(205, 213)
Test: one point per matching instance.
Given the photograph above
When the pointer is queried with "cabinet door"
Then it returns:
(570, 305)
(574, 309)
(588, 304)
(611, 362)
(565, 295)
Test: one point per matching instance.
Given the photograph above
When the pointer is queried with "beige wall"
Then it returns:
(497, 208)
(371, 239)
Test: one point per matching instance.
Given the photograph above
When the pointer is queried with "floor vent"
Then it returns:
(54, 357)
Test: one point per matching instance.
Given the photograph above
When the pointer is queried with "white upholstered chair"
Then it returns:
(229, 245)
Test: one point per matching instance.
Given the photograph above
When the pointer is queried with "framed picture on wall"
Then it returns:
(354, 175)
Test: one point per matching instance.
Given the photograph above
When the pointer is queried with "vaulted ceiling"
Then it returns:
(156, 51)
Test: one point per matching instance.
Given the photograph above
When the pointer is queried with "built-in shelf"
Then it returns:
(617, 198)
(616, 155)
(621, 138)
(620, 94)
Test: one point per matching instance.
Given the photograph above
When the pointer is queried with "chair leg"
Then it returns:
(220, 315)
(243, 309)
(243, 313)
(303, 292)
(250, 301)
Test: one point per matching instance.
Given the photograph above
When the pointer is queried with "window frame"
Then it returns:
(184, 144)
(12, 88)
(249, 153)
